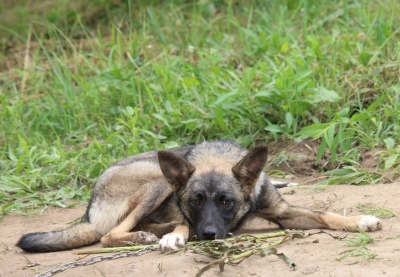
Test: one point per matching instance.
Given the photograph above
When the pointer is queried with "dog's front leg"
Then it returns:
(176, 239)
(292, 217)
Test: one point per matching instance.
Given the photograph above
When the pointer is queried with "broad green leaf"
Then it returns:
(266, 94)
(11, 155)
(358, 117)
(343, 112)
(24, 145)
(285, 47)
(314, 131)
(97, 145)
(329, 135)
(320, 151)
(273, 128)
(224, 97)
(391, 161)
(365, 57)
(129, 109)
(289, 119)
(191, 82)
(389, 142)
(301, 75)
(322, 94)
(161, 118)
(95, 170)
(219, 117)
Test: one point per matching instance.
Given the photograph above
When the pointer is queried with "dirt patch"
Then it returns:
(314, 256)
(295, 158)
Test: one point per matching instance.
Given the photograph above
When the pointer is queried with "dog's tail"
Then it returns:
(75, 236)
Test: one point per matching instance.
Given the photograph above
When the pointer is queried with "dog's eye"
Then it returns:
(226, 202)
(197, 202)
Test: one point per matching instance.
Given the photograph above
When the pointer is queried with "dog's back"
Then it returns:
(109, 203)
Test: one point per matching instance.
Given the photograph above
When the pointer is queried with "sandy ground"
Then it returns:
(314, 256)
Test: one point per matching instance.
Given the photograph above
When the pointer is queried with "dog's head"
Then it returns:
(214, 194)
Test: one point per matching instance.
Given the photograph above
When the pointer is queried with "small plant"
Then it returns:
(377, 211)
(360, 249)
(5, 247)
(390, 158)
(352, 175)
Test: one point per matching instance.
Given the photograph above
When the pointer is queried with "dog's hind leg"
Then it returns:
(148, 198)
(292, 217)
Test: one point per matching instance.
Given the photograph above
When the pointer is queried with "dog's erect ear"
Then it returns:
(175, 169)
(250, 167)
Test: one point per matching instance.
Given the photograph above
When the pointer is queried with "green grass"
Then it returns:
(359, 250)
(377, 211)
(83, 85)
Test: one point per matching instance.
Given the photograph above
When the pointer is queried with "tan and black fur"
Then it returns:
(208, 189)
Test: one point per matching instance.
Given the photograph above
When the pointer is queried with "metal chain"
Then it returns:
(96, 259)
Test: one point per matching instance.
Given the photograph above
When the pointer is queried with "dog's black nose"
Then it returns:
(209, 233)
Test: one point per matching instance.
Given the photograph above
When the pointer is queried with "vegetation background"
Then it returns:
(87, 82)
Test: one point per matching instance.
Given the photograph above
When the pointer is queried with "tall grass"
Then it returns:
(84, 87)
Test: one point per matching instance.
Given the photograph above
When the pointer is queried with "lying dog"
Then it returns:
(209, 188)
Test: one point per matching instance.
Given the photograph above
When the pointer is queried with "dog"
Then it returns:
(208, 189)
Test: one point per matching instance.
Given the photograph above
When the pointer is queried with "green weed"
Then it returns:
(360, 250)
(352, 175)
(377, 211)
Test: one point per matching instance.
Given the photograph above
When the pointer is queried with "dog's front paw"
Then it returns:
(172, 241)
(369, 223)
